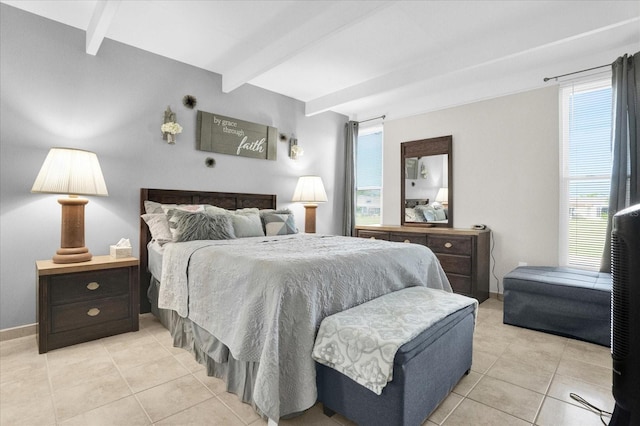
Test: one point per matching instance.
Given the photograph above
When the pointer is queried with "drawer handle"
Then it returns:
(448, 245)
(407, 241)
(372, 238)
(93, 312)
(93, 285)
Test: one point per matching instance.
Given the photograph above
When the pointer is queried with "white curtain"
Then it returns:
(350, 143)
(625, 179)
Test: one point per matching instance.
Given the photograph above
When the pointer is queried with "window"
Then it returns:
(369, 177)
(586, 172)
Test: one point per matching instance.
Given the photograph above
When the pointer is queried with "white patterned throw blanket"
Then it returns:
(362, 342)
(264, 297)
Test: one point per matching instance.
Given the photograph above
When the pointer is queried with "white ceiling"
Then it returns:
(366, 58)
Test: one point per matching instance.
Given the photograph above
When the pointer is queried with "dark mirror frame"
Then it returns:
(422, 148)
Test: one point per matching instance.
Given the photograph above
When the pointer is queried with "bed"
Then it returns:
(249, 308)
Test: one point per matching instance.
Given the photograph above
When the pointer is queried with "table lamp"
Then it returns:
(73, 172)
(309, 191)
(443, 196)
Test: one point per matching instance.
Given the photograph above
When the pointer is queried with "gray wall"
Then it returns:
(53, 94)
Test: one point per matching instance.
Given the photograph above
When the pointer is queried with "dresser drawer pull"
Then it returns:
(448, 245)
(372, 238)
(93, 285)
(407, 241)
(93, 312)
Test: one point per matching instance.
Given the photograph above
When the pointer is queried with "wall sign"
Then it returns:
(226, 135)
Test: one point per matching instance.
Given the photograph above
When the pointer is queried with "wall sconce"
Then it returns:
(309, 191)
(170, 128)
(74, 172)
(295, 150)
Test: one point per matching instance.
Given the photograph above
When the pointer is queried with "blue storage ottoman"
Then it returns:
(425, 371)
(564, 301)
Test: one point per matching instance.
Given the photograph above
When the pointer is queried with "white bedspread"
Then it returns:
(362, 342)
(264, 297)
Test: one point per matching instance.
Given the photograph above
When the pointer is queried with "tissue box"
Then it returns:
(119, 252)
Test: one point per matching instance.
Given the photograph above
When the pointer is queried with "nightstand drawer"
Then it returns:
(88, 313)
(450, 244)
(409, 238)
(377, 235)
(89, 285)
(452, 264)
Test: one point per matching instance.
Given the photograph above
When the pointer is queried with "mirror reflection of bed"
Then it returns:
(426, 180)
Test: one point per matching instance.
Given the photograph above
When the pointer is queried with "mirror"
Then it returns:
(426, 182)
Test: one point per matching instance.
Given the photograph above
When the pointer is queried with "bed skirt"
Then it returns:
(239, 376)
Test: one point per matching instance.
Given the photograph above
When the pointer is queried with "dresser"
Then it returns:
(463, 253)
(78, 302)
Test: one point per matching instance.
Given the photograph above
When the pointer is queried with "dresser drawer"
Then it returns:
(378, 235)
(409, 238)
(88, 313)
(460, 284)
(89, 285)
(450, 244)
(453, 264)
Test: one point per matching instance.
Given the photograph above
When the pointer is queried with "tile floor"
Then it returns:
(519, 377)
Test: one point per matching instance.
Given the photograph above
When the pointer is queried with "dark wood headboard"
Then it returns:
(225, 200)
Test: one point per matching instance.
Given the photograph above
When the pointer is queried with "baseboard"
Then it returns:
(497, 296)
(17, 332)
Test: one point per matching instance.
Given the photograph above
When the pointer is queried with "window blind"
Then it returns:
(586, 172)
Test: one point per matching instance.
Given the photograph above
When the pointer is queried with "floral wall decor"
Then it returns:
(170, 128)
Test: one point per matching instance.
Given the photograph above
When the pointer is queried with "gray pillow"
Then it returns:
(265, 212)
(152, 207)
(246, 223)
(428, 212)
(440, 214)
(201, 226)
(279, 224)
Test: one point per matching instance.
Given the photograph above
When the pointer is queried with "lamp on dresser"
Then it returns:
(73, 172)
(309, 191)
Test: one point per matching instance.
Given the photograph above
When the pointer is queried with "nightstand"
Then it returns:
(78, 302)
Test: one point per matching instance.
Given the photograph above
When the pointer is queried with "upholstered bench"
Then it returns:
(425, 369)
(564, 301)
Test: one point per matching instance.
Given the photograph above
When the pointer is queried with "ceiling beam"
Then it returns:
(279, 48)
(101, 19)
(435, 67)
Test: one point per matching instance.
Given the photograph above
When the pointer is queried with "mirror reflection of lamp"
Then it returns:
(309, 191)
(443, 196)
(73, 172)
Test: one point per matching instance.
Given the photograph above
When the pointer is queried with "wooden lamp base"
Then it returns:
(72, 247)
(310, 218)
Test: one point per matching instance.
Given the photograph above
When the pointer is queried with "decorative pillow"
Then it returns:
(246, 223)
(428, 212)
(201, 226)
(441, 214)
(151, 207)
(279, 224)
(173, 216)
(158, 226)
(265, 212)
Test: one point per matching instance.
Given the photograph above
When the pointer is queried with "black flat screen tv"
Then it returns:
(625, 316)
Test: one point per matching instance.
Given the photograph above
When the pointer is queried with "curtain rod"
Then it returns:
(371, 119)
(575, 72)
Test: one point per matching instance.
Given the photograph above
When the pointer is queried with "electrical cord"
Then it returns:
(587, 404)
(493, 267)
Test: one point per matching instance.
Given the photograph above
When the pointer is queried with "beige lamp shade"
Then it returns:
(70, 171)
(74, 172)
(309, 191)
(443, 196)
